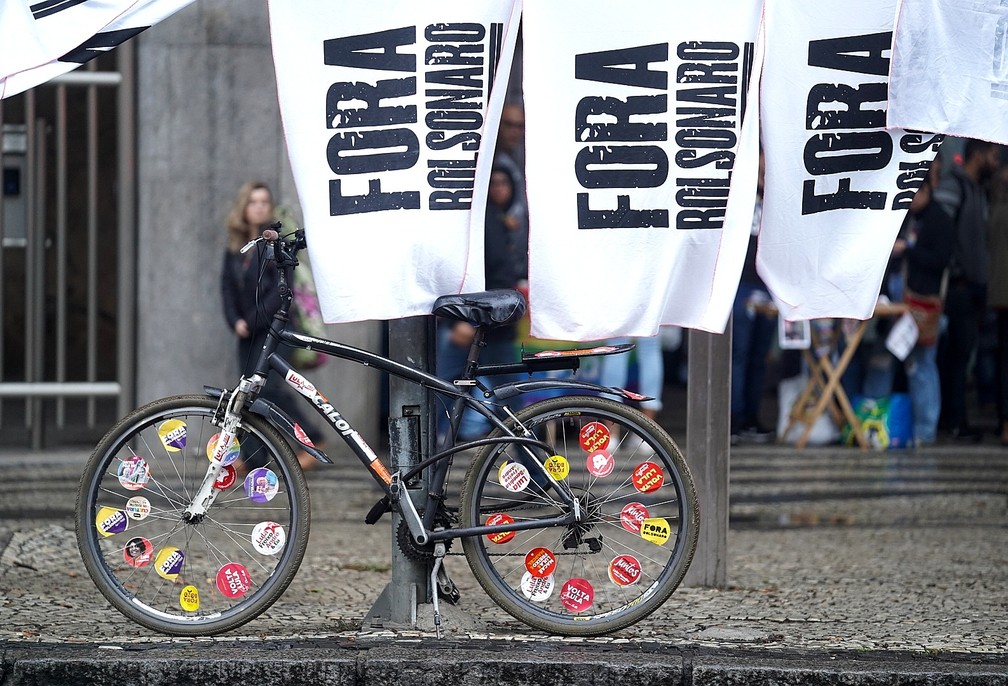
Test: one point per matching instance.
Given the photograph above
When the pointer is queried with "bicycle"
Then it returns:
(577, 515)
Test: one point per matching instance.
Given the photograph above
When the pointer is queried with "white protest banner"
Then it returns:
(950, 68)
(633, 130)
(385, 107)
(837, 182)
(60, 24)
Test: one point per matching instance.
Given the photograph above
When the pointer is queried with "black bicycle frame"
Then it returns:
(270, 359)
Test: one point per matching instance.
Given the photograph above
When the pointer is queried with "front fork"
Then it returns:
(206, 494)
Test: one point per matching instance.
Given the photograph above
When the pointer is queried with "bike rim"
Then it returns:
(154, 564)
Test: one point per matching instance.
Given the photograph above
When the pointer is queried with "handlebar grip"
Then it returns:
(270, 235)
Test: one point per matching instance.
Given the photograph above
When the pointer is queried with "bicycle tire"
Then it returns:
(146, 560)
(592, 587)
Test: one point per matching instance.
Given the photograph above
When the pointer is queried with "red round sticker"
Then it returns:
(632, 516)
(225, 478)
(540, 562)
(594, 436)
(601, 463)
(577, 595)
(648, 477)
(624, 570)
(233, 580)
(500, 536)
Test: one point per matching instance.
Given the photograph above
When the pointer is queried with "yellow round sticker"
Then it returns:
(558, 467)
(168, 563)
(656, 530)
(189, 599)
(173, 435)
(110, 521)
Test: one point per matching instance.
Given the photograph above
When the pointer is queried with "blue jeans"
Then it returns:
(752, 336)
(925, 391)
(650, 369)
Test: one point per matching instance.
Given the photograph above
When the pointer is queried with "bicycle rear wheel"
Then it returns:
(191, 578)
(638, 530)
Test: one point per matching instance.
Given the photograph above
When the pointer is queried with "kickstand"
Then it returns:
(439, 553)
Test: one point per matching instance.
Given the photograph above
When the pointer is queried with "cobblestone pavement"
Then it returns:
(829, 549)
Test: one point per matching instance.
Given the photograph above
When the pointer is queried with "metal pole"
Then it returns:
(708, 445)
(411, 429)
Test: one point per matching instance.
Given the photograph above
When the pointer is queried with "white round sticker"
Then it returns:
(268, 538)
(514, 477)
(536, 589)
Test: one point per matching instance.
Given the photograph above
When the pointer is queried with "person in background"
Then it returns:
(961, 194)
(509, 155)
(998, 291)
(752, 335)
(930, 239)
(250, 298)
(615, 371)
(503, 266)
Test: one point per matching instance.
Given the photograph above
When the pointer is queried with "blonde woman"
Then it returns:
(250, 297)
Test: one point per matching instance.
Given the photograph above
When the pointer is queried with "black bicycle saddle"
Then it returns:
(489, 309)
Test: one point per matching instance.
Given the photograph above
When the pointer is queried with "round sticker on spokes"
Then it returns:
(656, 530)
(577, 595)
(138, 507)
(537, 589)
(261, 485)
(225, 478)
(557, 466)
(647, 477)
(173, 435)
(268, 538)
(624, 570)
(601, 463)
(540, 562)
(230, 454)
(632, 515)
(594, 436)
(133, 473)
(110, 521)
(189, 598)
(233, 580)
(514, 477)
(168, 563)
(138, 552)
(500, 536)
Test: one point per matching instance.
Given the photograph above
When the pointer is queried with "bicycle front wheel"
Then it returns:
(639, 518)
(217, 571)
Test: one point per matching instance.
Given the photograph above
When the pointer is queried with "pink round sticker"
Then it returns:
(233, 580)
(540, 562)
(601, 463)
(577, 595)
(647, 477)
(594, 436)
(624, 570)
(632, 516)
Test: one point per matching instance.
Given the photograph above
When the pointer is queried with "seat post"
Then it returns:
(472, 362)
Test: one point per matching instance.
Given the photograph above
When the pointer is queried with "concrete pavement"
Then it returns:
(844, 566)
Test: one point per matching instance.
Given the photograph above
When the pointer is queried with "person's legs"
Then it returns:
(925, 392)
(763, 330)
(614, 369)
(742, 337)
(650, 373)
(962, 340)
(1002, 373)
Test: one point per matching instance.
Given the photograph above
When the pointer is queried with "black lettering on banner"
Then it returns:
(49, 7)
(711, 83)
(357, 105)
(100, 43)
(359, 51)
(372, 113)
(913, 174)
(459, 62)
(615, 120)
(610, 66)
(857, 141)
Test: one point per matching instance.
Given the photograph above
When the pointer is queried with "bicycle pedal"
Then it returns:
(377, 511)
(447, 589)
